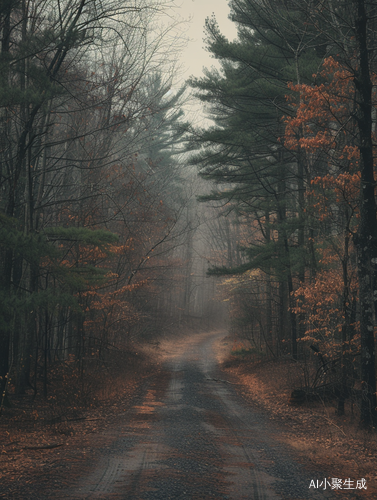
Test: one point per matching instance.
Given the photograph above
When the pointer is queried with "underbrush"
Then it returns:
(75, 388)
(247, 352)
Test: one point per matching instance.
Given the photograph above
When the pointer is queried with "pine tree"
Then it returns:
(242, 153)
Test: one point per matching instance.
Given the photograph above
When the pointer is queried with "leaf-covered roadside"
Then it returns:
(322, 439)
(46, 447)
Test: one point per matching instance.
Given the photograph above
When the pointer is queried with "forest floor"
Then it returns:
(43, 449)
(46, 443)
(334, 443)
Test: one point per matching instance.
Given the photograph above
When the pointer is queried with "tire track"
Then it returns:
(192, 437)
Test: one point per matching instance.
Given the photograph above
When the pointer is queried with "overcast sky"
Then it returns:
(194, 57)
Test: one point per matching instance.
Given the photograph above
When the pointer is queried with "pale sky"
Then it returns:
(194, 56)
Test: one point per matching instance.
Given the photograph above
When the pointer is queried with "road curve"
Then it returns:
(193, 437)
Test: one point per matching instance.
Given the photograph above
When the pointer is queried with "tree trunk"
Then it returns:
(366, 240)
(285, 256)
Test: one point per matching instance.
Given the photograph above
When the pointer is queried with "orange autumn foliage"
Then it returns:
(344, 189)
(322, 126)
(321, 305)
(322, 113)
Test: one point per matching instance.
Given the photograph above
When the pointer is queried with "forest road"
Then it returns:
(193, 437)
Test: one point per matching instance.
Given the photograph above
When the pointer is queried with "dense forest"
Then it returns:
(291, 158)
(102, 242)
(95, 202)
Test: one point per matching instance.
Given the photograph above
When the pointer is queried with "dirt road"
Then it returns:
(192, 437)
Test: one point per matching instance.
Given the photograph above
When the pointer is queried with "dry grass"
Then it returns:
(333, 444)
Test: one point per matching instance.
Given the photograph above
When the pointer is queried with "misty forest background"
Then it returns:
(108, 236)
